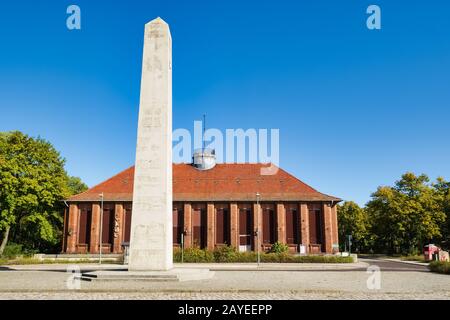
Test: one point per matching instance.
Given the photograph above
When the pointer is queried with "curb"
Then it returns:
(424, 264)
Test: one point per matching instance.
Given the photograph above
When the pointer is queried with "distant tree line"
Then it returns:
(399, 218)
(33, 185)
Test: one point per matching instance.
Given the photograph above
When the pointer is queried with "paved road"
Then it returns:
(398, 281)
(396, 266)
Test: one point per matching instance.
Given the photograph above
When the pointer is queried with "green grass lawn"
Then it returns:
(30, 261)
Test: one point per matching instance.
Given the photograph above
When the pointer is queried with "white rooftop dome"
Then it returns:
(204, 159)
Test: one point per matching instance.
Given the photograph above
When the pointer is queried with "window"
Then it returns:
(178, 223)
(222, 225)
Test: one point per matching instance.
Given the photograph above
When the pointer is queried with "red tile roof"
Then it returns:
(225, 182)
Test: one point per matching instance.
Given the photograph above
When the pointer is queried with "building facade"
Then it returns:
(224, 204)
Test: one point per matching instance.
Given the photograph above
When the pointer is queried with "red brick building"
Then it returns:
(211, 208)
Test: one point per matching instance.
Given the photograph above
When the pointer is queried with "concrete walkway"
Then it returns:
(211, 266)
(285, 281)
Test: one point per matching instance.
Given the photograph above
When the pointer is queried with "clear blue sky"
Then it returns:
(355, 108)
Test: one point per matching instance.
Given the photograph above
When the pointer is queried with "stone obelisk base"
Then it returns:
(173, 275)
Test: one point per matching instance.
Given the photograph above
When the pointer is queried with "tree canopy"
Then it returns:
(76, 185)
(33, 183)
(400, 218)
(352, 220)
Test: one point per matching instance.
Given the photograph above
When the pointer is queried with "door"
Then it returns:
(245, 230)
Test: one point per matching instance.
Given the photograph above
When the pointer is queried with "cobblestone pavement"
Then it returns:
(218, 296)
(397, 281)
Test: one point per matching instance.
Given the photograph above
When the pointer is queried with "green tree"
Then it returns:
(405, 216)
(353, 221)
(76, 186)
(33, 184)
(442, 188)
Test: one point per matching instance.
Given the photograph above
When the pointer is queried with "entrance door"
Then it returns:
(245, 230)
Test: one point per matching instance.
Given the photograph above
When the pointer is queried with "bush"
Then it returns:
(194, 255)
(246, 257)
(228, 254)
(279, 247)
(440, 267)
(288, 258)
(272, 257)
(225, 254)
(324, 259)
(12, 250)
(176, 255)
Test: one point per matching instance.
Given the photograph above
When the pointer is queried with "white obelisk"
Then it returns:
(151, 224)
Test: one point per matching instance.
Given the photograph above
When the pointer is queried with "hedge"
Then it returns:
(440, 267)
(231, 255)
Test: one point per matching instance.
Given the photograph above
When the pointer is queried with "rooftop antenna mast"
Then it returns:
(204, 131)
(203, 137)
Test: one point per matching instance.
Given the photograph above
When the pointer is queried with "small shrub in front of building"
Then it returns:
(440, 267)
(194, 255)
(225, 254)
(279, 247)
(274, 257)
(246, 257)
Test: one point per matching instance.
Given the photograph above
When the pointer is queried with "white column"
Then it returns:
(151, 225)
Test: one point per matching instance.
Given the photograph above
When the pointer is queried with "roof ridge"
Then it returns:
(315, 190)
(291, 175)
